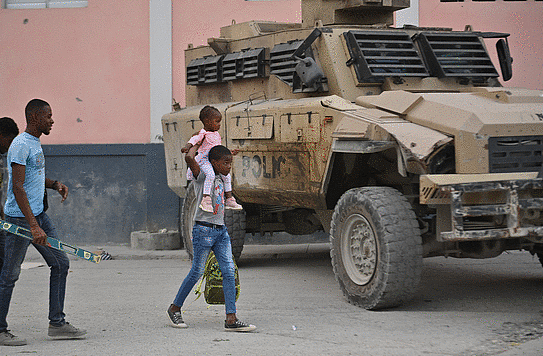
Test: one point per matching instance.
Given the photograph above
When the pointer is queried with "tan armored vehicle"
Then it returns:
(401, 142)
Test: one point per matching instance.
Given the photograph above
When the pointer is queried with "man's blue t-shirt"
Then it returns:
(26, 150)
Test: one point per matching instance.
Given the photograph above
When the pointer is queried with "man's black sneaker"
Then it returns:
(176, 317)
(239, 326)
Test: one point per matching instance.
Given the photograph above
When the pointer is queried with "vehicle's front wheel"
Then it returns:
(233, 219)
(376, 247)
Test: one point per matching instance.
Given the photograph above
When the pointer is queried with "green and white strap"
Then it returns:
(52, 242)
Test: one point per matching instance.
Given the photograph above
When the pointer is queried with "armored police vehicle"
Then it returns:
(402, 143)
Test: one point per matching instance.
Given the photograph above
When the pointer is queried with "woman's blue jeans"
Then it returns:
(15, 248)
(205, 239)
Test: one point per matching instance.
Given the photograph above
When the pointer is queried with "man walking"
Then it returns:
(8, 131)
(24, 207)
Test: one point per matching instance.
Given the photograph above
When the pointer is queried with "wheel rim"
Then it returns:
(359, 249)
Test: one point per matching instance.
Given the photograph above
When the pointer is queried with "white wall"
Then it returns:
(160, 63)
(409, 16)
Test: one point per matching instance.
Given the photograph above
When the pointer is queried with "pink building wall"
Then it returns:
(91, 64)
(194, 21)
(522, 19)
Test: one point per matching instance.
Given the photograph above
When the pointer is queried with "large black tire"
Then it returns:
(186, 218)
(233, 219)
(376, 247)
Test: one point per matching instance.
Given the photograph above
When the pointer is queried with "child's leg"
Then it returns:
(201, 250)
(223, 252)
(227, 179)
(230, 202)
(207, 168)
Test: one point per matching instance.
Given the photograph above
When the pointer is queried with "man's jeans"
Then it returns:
(15, 248)
(205, 239)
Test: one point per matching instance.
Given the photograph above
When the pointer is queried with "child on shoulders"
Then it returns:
(210, 137)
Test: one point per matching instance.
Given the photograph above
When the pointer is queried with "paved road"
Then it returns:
(464, 307)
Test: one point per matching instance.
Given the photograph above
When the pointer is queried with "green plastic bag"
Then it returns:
(213, 292)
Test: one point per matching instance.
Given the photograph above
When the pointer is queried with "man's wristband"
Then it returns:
(55, 185)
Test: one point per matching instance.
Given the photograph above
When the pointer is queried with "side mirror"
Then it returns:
(504, 56)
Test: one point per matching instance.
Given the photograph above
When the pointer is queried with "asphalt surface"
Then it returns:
(464, 308)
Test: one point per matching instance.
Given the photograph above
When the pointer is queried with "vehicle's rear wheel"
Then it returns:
(233, 219)
(186, 218)
(376, 247)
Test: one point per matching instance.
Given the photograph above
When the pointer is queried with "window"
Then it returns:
(43, 4)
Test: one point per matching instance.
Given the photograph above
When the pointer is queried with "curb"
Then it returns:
(125, 252)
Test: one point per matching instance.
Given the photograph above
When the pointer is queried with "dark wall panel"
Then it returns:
(114, 190)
